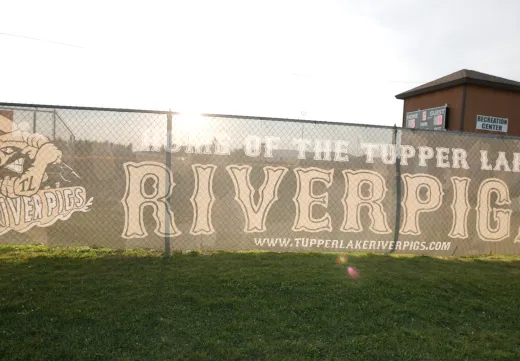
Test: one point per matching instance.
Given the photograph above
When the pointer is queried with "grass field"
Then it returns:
(94, 304)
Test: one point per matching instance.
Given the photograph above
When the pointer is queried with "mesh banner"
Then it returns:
(136, 179)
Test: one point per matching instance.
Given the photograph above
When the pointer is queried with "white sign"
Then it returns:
(493, 124)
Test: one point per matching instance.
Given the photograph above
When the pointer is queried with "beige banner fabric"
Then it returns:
(128, 179)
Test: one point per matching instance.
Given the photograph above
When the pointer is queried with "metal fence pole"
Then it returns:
(34, 122)
(397, 191)
(54, 125)
(168, 160)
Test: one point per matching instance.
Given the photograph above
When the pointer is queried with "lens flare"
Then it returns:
(353, 273)
(342, 259)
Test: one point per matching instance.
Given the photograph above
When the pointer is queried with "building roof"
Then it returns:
(460, 77)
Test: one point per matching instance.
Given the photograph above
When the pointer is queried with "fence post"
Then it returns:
(168, 160)
(397, 191)
(54, 125)
(34, 122)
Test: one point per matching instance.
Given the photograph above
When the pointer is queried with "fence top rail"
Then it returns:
(25, 106)
(6, 107)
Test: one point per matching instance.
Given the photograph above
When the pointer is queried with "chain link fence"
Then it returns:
(142, 179)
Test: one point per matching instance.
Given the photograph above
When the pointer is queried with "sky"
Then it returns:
(321, 60)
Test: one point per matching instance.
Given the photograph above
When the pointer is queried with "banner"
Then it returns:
(242, 183)
(322, 195)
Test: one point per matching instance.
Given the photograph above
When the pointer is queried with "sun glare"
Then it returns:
(190, 123)
(192, 126)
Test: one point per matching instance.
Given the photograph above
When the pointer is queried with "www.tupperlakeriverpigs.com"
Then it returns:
(353, 245)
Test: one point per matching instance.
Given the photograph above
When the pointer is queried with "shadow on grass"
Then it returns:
(104, 305)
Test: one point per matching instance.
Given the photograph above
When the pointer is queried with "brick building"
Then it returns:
(469, 96)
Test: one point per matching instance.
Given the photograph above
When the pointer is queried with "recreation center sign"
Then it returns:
(494, 124)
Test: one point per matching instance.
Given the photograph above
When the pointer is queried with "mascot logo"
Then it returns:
(30, 165)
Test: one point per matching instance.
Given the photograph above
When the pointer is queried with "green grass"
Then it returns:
(95, 304)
